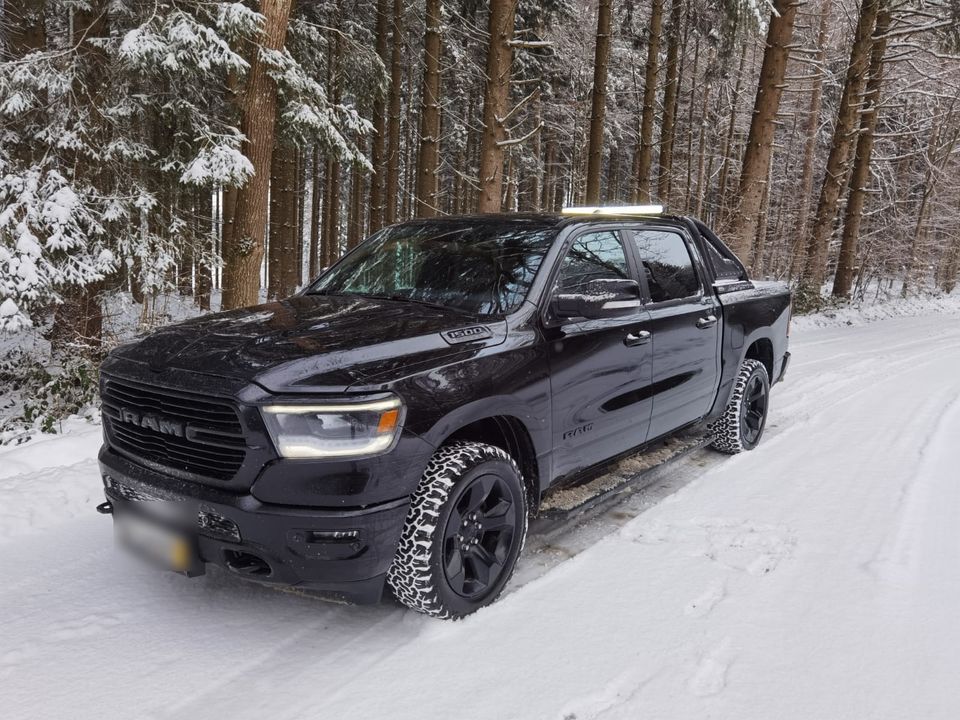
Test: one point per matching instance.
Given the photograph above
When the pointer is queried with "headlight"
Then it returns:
(328, 430)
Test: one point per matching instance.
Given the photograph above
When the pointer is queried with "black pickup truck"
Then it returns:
(397, 422)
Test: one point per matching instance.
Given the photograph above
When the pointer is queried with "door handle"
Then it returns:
(706, 322)
(638, 338)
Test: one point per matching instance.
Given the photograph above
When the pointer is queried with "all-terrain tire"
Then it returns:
(417, 576)
(728, 430)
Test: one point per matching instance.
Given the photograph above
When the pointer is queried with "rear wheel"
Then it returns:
(464, 532)
(742, 423)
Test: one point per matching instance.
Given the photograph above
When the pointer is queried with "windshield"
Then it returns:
(483, 269)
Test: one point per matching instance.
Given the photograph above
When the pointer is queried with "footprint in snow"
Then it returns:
(80, 628)
(710, 677)
(754, 548)
(707, 601)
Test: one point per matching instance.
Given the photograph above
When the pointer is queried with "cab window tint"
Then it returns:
(593, 256)
(667, 265)
(723, 267)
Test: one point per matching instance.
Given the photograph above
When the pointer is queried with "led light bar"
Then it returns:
(615, 210)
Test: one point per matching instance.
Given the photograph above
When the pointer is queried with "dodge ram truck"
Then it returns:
(393, 426)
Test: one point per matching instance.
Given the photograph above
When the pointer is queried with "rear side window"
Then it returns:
(723, 267)
(593, 256)
(667, 265)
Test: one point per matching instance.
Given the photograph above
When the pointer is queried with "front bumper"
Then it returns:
(342, 553)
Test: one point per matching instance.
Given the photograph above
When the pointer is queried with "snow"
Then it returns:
(8, 308)
(880, 308)
(220, 164)
(815, 577)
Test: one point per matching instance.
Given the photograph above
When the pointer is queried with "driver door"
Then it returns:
(600, 370)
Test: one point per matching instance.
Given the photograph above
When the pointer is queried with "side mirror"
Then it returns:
(599, 299)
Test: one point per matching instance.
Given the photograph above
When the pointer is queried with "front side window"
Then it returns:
(667, 265)
(483, 269)
(593, 256)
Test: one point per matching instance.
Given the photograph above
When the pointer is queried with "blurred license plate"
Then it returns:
(156, 543)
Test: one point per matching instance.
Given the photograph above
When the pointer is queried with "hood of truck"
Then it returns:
(314, 343)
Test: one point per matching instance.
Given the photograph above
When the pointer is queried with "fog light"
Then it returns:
(216, 525)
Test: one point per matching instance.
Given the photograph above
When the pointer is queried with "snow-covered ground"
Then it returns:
(817, 577)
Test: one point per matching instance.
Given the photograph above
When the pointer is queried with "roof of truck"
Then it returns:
(545, 220)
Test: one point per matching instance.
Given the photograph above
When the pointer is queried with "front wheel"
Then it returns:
(742, 423)
(464, 532)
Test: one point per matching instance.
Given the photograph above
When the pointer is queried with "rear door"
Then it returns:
(684, 323)
(600, 370)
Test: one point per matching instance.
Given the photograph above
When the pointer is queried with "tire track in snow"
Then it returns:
(903, 547)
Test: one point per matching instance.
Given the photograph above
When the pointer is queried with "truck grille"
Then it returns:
(188, 433)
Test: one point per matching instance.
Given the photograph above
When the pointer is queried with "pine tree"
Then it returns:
(844, 130)
(860, 178)
(496, 97)
(429, 156)
(598, 102)
(759, 149)
(644, 157)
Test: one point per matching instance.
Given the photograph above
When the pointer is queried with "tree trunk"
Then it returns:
(205, 215)
(757, 155)
(690, 108)
(497, 95)
(392, 189)
(315, 180)
(810, 147)
(289, 245)
(860, 179)
(243, 247)
(598, 103)
(670, 94)
(647, 115)
(301, 210)
(330, 239)
(275, 223)
(378, 150)
(702, 150)
(78, 319)
(939, 152)
(355, 225)
(844, 131)
(728, 140)
(429, 158)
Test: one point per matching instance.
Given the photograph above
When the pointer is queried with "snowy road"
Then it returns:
(817, 577)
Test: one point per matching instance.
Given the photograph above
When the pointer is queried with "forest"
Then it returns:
(223, 152)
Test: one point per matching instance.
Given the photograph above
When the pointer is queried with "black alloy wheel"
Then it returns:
(754, 410)
(741, 425)
(479, 536)
(464, 531)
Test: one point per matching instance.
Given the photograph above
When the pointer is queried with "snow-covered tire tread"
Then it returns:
(411, 575)
(727, 437)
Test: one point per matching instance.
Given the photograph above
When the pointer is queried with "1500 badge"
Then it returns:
(467, 334)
